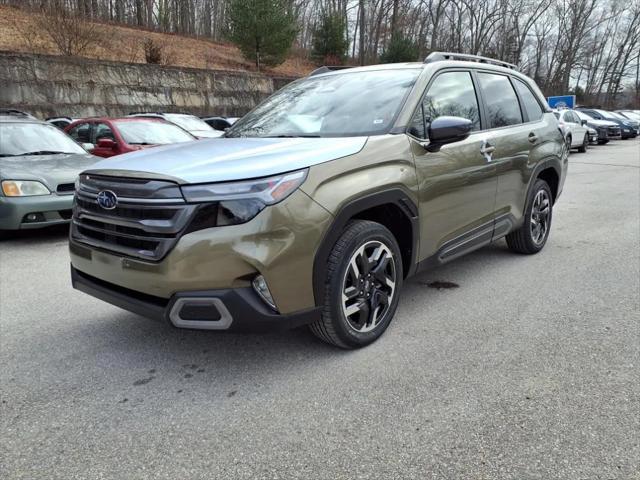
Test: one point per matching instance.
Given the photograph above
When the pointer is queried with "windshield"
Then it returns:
(36, 139)
(343, 105)
(631, 115)
(617, 115)
(604, 114)
(152, 133)
(190, 123)
(584, 116)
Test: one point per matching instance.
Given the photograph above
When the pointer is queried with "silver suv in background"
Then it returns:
(192, 124)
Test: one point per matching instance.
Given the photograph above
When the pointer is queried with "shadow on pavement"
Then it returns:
(35, 236)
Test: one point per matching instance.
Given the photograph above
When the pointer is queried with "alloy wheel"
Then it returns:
(540, 213)
(368, 286)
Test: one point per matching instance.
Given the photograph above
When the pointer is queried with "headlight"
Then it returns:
(232, 203)
(23, 188)
(268, 190)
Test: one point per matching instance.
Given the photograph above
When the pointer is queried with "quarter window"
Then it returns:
(501, 100)
(529, 102)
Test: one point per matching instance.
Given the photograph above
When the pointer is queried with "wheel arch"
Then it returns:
(550, 174)
(392, 208)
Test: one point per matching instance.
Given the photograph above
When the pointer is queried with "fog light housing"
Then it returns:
(33, 218)
(261, 288)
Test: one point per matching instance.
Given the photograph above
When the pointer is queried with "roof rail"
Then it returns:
(442, 56)
(144, 113)
(326, 69)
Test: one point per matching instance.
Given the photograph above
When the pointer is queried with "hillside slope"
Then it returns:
(19, 33)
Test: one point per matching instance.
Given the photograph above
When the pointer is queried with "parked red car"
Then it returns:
(106, 137)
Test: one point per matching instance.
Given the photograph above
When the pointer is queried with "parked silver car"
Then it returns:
(39, 165)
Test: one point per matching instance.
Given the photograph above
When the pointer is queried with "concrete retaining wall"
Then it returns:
(48, 85)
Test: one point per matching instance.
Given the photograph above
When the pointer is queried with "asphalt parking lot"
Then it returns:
(528, 368)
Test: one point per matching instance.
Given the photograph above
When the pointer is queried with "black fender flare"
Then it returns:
(556, 165)
(397, 196)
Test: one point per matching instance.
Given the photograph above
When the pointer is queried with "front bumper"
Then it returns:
(628, 132)
(279, 244)
(232, 310)
(50, 209)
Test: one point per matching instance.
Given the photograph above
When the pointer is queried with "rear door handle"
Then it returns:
(533, 137)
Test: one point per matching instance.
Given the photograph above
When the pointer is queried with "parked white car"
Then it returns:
(575, 130)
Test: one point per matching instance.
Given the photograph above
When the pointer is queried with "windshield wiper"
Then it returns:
(45, 152)
(8, 155)
(142, 143)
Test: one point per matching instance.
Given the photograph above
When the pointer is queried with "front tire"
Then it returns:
(362, 286)
(532, 236)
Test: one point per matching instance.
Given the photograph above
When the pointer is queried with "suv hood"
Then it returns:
(227, 159)
(52, 170)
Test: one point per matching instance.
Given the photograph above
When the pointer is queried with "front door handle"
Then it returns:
(487, 149)
(533, 138)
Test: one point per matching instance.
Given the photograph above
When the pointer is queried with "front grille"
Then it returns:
(146, 223)
(614, 131)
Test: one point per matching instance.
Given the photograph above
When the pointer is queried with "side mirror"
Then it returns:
(107, 143)
(583, 122)
(444, 130)
(88, 146)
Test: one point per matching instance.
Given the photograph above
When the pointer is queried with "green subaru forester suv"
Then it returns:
(317, 205)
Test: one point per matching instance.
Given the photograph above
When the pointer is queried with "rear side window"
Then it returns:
(450, 94)
(501, 99)
(529, 102)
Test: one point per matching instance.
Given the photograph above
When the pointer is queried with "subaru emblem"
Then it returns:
(107, 199)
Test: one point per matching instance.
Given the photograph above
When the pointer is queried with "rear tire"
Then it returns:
(362, 286)
(585, 143)
(532, 236)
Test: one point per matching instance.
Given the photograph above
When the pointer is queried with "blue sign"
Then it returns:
(562, 101)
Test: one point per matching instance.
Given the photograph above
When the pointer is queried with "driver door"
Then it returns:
(457, 183)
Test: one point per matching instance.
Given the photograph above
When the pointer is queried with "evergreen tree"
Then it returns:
(330, 42)
(263, 29)
(400, 49)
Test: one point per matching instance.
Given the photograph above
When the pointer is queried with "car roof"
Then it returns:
(435, 65)
(125, 119)
(19, 119)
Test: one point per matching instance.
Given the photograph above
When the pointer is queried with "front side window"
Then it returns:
(501, 100)
(81, 133)
(337, 105)
(452, 94)
(34, 139)
(529, 102)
